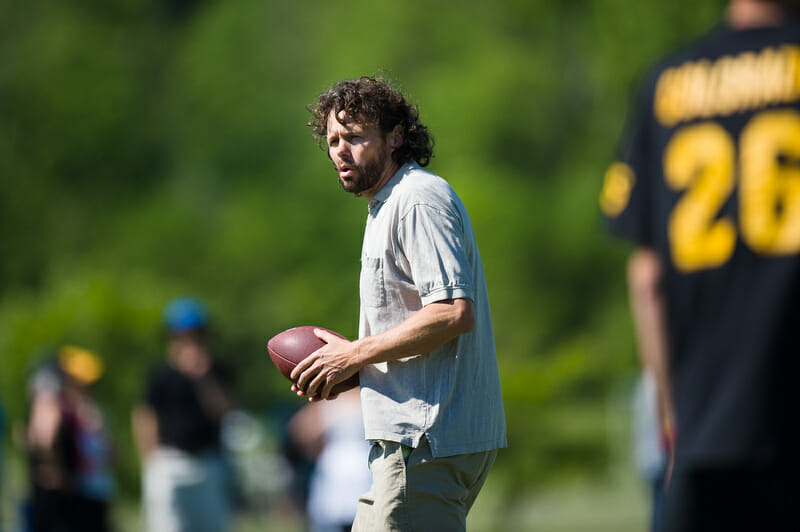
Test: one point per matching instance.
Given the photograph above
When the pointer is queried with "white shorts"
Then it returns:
(185, 492)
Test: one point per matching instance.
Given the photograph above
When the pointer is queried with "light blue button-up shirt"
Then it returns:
(419, 248)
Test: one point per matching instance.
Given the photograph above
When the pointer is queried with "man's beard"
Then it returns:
(365, 177)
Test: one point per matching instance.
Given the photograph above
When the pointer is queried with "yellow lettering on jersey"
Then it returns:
(617, 186)
(730, 84)
(699, 160)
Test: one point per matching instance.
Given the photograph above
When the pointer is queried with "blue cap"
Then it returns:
(185, 314)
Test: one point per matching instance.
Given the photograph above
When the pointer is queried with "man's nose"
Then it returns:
(342, 150)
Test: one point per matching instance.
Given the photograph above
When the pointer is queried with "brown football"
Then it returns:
(290, 347)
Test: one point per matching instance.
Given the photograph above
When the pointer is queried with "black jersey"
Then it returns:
(709, 177)
(183, 423)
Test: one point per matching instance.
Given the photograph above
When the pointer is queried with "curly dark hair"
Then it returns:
(372, 101)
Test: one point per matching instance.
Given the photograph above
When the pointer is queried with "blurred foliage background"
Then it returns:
(151, 149)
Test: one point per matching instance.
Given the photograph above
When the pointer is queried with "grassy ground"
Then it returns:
(617, 504)
(128, 519)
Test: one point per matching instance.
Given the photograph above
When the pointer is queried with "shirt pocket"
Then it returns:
(371, 286)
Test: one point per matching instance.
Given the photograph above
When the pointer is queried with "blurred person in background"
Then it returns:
(331, 435)
(68, 446)
(186, 480)
(708, 189)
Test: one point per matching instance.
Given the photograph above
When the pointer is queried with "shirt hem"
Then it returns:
(470, 448)
(439, 451)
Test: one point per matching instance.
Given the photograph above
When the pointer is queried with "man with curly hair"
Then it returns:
(430, 388)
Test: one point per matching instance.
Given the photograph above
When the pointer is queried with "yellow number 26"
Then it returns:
(701, 161)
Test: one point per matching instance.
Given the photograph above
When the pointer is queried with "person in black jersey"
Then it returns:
(708, 189)
(177, 430)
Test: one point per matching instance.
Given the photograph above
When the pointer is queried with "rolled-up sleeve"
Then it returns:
(432, 239)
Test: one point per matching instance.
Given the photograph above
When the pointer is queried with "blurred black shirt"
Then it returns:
(182, 421)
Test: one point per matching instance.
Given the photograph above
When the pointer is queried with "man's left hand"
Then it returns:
(315, 376)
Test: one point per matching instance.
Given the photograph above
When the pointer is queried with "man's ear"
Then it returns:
(395, 139)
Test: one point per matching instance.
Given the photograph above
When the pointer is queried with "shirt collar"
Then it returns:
(386, 190)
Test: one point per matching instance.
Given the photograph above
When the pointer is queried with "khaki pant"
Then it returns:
(420, 492)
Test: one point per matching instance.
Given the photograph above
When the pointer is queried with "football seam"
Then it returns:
(281, 356)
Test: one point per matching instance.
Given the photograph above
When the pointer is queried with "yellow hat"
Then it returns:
(81, 364)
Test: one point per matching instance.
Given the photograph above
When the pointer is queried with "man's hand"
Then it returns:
(331, 364)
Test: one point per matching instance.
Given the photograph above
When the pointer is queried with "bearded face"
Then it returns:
(360, 154)
(362, 177)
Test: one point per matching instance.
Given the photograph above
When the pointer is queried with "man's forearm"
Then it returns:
(427, 329)
(213, 397)
(648, 305)
(145, 430)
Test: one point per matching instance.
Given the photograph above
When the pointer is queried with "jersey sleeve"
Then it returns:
(432, 239)
(626, 196)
